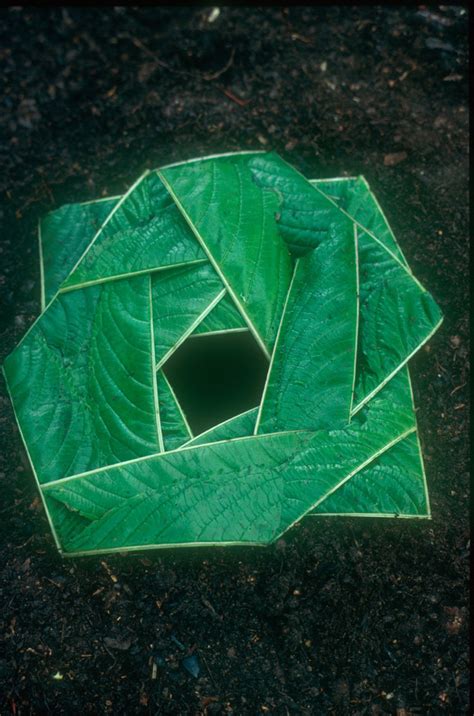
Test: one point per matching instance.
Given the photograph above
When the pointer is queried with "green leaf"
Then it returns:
(354, 197)
(237, 427)
(393, 485)
(305, 216)
(396, 317)
(64, 235)
(174, 425)
(223, 317)
(89, 360)
(244, 490)
(182, 297)
(144, 232)
(234, 222)
(311, 378)
(240, 242)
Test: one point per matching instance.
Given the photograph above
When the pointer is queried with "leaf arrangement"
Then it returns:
(221, 244)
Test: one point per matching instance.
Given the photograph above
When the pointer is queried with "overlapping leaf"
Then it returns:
(224, 244)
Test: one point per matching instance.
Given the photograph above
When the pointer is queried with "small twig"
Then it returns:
(301, 38)
(209, 606)
(209, 671)
(215, 75)
(457, 388)
(138, 43)
(237, 100)
(19, 546)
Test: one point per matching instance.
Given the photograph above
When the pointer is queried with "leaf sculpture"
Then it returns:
(214, 246)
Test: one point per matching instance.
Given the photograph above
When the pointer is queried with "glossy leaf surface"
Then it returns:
(239, 242)
(234, 220)
(311, 378)
(144, 232)
(223, 317)
(64, 235)
(247, 490)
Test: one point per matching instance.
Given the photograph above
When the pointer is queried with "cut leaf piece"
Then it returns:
(223, 317)
(353, 196)
(182, 297)
(174, 425)
(89, 359)
(245, 490)
(311, 378)
(237, 427)
(144, 232)
(386, 419)
(393, 485)
(64, 235)
(234, 221)
(304, 215)
(396, 317)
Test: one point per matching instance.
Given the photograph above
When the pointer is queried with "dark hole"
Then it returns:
(217, 377)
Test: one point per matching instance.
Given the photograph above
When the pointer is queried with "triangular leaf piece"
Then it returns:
(234, 222)
(64, 235)
(174, 425)
(144, 232)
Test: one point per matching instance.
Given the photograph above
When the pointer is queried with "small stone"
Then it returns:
(192, 666)
(391, 160)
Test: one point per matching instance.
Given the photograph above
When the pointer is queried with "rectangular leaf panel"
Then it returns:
(311, 378)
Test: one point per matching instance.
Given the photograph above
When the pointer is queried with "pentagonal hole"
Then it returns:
(216, 377)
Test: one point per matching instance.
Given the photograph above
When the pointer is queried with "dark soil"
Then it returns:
(343, 616)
